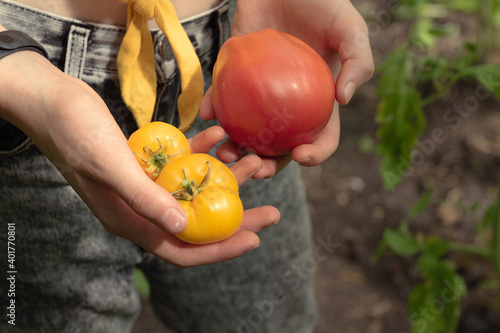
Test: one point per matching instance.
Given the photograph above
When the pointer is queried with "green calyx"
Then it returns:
(189, 187)
(157, 158)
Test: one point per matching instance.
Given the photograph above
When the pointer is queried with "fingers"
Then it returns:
(229, 152)
(122, 221)
(354, 73)
(179, 253)
(323, 147)
(306, 155)
(272, 166)
(119, 219)
(204, 141)
(256, 219)
(167, 247)
(206, 108)
(246, 167)
(187, 255)
(355, 55)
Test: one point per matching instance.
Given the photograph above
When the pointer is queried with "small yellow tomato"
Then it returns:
(207, 190)
(156, 144)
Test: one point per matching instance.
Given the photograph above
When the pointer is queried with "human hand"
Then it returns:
(338, 33)
(72, 126)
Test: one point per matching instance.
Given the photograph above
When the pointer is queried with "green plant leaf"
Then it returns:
(141, 282)
(436, 246)
(488, 75)
(475, 206)
(489, 216)
(465, 6)
(401, 121)
(399, 115)
(490, 284)
(401, 241)
(422, 33)
(434, 305)
(421, 204)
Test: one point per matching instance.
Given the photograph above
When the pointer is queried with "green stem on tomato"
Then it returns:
(190, 189)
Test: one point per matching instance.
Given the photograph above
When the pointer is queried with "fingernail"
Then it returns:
(254, 246)
(232, 157)
(349, 90)
(175, 219)
(255, 172)
(305, 161)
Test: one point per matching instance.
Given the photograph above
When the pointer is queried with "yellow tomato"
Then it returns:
(156, 144)
(207, 190)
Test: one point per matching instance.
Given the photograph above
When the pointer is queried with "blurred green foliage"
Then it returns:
(413, 65)
(413, 76)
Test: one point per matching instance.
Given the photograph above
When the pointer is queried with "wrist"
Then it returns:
(24, 83)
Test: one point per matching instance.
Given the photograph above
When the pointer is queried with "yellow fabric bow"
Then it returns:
(136, 65)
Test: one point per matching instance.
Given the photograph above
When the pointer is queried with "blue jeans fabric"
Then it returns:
(73, 276)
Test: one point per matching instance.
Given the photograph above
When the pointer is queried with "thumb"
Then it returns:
(109, 165)
(144, 196)
(354, 51)
(206, 108)
(153, 202)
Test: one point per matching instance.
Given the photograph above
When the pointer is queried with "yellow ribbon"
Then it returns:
(136, 65)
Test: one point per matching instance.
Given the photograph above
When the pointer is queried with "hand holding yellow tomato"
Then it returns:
(205, 188)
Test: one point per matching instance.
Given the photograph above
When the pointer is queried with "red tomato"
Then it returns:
(271, 92)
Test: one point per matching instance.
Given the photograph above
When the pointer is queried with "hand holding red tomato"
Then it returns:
(271, 92)
(338, 33)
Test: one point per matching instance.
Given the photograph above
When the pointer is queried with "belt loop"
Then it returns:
(76, 50)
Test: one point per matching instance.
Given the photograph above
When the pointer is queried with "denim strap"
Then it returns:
(76, 50)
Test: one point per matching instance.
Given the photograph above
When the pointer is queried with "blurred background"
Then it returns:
(411, 194)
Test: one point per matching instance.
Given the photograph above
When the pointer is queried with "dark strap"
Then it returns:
(13, 41)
